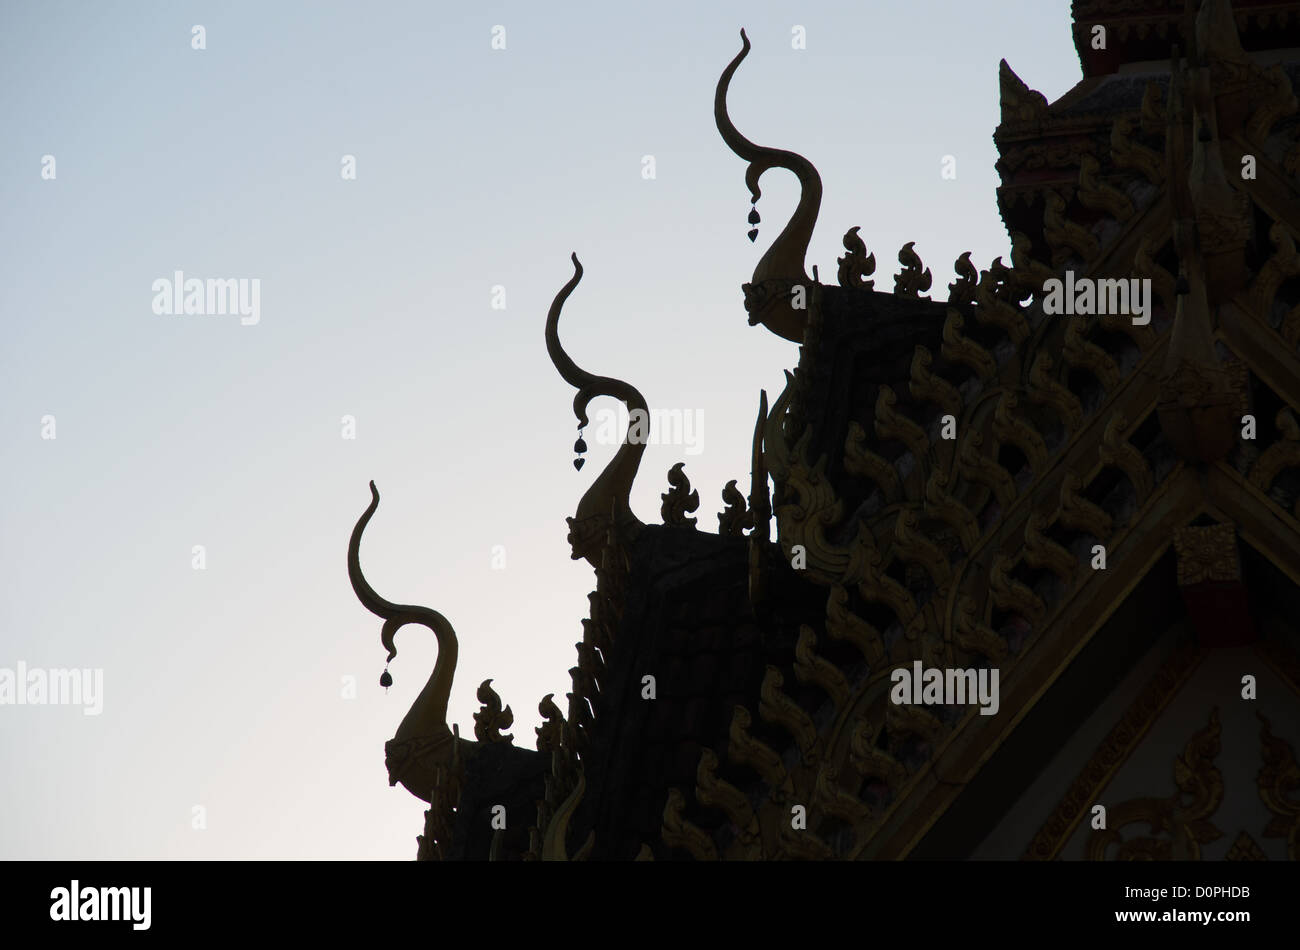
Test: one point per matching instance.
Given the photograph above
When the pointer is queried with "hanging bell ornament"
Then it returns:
(580, 446)
(753, 216)
(385, 678)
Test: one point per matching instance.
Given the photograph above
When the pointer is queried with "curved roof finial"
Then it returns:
(423, 742)
(784, 260)
(605, 505)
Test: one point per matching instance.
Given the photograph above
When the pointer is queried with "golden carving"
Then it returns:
(843, 624)
(859, 460)
(911, 281)
(869, 759)
(1042, 552)
(1183, 816)
(1011, 595)
(1283, 264)
(1245, 848)
(1080, 353)
(1019, 103)
(992, 309)
(975, 636)
(879, 587)
(810, 668)
(831, 798)
(779, 709)
(1281, 455)
(1063, 235)
(712, 791)
(906, 719)
(1125, 152)
(978, 467)
(1141, 334)
(1280, 102)
(1206, 553)
(912, 545)
(735, 519)
(1278, 777)
(1079, 513)
(549, 732)
(744, 749)
(943, 506)
(857, 265)
(491, 719)
(962, 290)
(803, 845)
(1095, 194)
(680, 833)
(925, 385)
(1117, 451)
(1028, 270)
(957, 348)
(1046, 391)
(1010, 429)
(892, 424)
(553, 846)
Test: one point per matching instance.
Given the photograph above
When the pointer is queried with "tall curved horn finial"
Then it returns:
(608, 495)
(427, 717)
(784, 260)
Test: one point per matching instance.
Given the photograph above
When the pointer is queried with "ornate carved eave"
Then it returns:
(1146, 30)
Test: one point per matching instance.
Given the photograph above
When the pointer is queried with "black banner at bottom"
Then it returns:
(587, 901)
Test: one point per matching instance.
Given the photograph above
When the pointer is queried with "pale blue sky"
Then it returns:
(475, 168)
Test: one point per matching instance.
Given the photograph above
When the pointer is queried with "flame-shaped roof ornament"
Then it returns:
(605, 508)
(769, 297)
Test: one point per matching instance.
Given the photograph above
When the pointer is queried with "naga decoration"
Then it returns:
(605, 506)
(769, 294)
(423, 744)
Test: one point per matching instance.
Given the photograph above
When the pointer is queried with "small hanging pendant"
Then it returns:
(580, 446)
(577, 463)
(753, 235)
(753, 216)
(385, 678)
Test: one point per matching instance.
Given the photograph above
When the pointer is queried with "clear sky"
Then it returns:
(475, 169)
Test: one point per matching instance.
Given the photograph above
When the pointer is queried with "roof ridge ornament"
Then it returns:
(782, 266)
(423, 744)
(605, 506)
